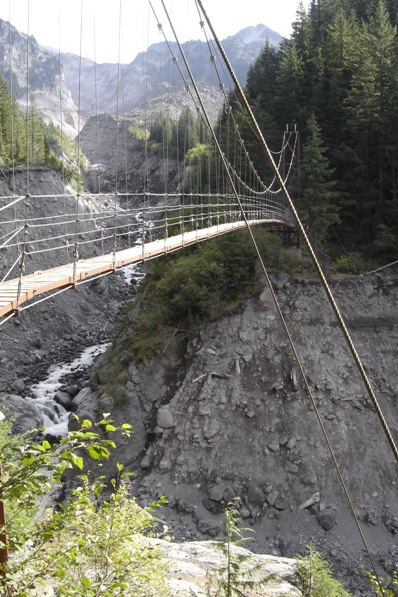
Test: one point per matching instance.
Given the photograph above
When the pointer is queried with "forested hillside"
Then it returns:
(15, 143)
(26, 139)
(336, 78)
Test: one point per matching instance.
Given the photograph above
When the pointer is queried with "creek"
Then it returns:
(44, 393)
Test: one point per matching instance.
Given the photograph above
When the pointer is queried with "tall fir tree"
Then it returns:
(373, 118)
(316, 205)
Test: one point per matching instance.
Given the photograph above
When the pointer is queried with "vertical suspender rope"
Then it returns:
(76, 245)
(11, 102)
(114, 243)
(27, 103)
(307, 242)
(12, 123)
(146, 188)
(22, 252)
(66, 239)
(22, 255)
(96, 105)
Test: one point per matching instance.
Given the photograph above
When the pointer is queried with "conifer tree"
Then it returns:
(316, 205)
(260, 89)
(373, 117)
(290, 86)
(35, 135)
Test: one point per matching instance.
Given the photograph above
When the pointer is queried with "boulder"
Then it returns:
(24, 412)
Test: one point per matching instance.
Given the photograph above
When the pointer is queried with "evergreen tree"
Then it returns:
(186, 132)
(162, 129)
(340, 50)
(260, 89)
(290, 90)
(35, 138)
(373, 118)
(5, 123)
(316, 205)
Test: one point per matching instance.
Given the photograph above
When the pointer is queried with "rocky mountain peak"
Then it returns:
(94, 89)
(256, 34)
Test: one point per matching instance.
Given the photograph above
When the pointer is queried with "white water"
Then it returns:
(55, 417)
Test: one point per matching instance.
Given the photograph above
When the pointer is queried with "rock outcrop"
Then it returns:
(232, 420)
(190, 566)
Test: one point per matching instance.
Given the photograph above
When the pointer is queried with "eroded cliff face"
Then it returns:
(232, 419)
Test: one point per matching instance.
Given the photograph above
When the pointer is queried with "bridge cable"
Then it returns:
(324, 432)
(16, 233)
(77, 214)
(22, 253)
(117, 137)
(27, 101)
(227, 103)
(96, 101)
(66, 238)
(308, 244)
(11, 100)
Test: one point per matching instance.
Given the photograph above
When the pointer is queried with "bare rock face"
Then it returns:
(108, 145)
(25, 415)
(233, 419)
(193, 563)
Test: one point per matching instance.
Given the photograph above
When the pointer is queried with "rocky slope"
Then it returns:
(46, 81)
(108, 146)
(59, 328)
(231, 419)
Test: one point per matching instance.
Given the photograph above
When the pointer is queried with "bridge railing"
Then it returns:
(40, 232)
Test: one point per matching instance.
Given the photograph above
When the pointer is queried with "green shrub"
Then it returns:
(189, 287)
(89, 545)
(239, 576)
(316, 578)
(383, 587)
(351, 263)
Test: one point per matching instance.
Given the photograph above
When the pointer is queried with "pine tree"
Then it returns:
(187, 132)
(373, 117)
(35, 135)
(260, 89)
(341, 45)
(290, 89)
(316, 205)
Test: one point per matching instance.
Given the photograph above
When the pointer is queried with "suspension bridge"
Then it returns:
(85, 235)
(52, 242)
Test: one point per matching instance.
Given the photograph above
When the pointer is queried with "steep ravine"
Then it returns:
(231, 419)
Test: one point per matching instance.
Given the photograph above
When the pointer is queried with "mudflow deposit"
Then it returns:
(231, 418)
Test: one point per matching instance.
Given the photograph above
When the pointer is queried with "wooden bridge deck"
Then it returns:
(69, 275)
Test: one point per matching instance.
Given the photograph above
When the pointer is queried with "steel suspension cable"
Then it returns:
(227, 102)
(27, 102)
(307, 243)
(117, 135)
(284, 323)
(96, 102)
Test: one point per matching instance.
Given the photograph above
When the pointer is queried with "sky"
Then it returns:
(116, 30)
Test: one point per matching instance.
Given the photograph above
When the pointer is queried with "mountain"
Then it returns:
(55, 81)
(46, 80)
(153, 69)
